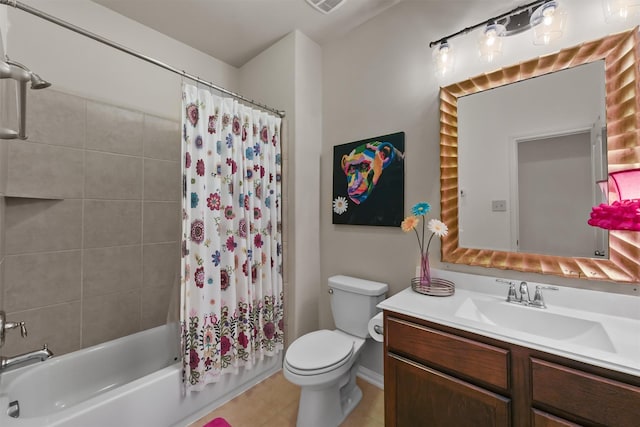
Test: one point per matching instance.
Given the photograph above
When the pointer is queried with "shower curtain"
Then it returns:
(231, 285)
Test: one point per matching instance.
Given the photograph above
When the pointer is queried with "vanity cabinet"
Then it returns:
(441, 376)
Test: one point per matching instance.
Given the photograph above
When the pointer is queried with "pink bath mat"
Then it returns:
(217, 422)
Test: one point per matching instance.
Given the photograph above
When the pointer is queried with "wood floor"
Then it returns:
(274, 403)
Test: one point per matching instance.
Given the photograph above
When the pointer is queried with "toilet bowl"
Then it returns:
(324, 363)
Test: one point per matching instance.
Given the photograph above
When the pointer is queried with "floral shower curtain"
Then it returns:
(232, 288)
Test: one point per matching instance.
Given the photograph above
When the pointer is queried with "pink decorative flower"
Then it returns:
(228, 212)
(269, 330)
(200, 167)
(197, 231)
(257, 240)
(193, 114)
(187, 160)
(257, 213)
(211, 128)
(243, 339)
(199, 277)
(231, 244)
(236, 125)
(225, 345)
(213, 201)
(242, 228)
(224, 280)
(264, 134)
(194, 359)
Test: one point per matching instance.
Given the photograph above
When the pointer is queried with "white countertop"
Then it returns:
(616, 319)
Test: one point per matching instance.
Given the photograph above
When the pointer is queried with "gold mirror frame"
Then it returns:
(622, 73)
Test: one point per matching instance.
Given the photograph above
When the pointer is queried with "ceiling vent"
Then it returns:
(325, 6)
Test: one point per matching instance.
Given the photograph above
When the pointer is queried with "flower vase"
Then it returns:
(425, 271)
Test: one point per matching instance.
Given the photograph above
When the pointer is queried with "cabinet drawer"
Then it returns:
(484, 363)
(588, 397)
(542, 419)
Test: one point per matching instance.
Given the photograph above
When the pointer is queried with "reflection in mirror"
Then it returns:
(530, 157)
(620, 259)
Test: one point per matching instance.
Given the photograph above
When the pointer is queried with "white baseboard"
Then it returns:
(372, 377)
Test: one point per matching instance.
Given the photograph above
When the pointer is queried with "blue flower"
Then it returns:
(218, 146)
(198, 141)
(241, 200)
(250, 254)
(278, 159)
(229, 140)
(249, 173)
(421, 208)
(267, 202)
(194, 200)
(249, 153)
(215, 258)
(256, 149)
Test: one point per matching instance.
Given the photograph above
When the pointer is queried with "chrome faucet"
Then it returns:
(524, 298)
(22, 359)
(524, 293)
(5, 326)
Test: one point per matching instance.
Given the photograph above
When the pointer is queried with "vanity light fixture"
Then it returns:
(443, 59)
(545, 17)
(490, 42)
(548, 23)
(620, 10)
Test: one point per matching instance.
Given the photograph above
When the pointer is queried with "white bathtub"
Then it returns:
(131, 381)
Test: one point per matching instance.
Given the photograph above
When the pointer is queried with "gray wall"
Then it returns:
(91, 223)
(379, 79)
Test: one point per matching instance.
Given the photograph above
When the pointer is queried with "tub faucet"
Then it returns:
(5, 326)
(22, 359)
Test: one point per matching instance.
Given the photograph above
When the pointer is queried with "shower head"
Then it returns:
(21, 73)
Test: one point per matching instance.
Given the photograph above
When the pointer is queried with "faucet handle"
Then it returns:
(21, 325)
(512, 295)
(538, 300)
(5, 326)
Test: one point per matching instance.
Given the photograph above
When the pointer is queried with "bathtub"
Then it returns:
(131, 381)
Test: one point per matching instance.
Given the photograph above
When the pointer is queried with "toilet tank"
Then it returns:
(353, 303)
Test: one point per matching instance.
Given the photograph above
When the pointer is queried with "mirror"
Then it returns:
(617, 57)
(522, 148)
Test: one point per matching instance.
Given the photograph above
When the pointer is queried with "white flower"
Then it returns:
(340, 205)
(437, 227)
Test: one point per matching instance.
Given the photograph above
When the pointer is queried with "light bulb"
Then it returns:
(490, 42)
(443, 59)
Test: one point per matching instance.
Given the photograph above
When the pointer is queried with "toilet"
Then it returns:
(324, 363)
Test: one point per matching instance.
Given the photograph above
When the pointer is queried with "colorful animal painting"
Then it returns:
(368, 186)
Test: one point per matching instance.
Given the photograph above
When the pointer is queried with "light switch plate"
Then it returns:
(498, 205)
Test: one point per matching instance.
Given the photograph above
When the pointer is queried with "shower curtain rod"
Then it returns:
(122, 48)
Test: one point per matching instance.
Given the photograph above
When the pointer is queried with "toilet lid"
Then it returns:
(319, 349)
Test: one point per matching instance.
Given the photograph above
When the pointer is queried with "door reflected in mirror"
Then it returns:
(530, 157)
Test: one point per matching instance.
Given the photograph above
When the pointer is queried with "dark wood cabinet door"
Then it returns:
(417, 396)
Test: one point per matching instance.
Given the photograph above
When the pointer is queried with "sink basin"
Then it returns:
(536, 321)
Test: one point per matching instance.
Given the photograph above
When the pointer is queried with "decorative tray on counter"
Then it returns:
(436, 288)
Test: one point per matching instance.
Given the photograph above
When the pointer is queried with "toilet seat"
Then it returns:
(318, 352)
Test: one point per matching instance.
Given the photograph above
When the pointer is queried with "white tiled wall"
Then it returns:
(91, 229)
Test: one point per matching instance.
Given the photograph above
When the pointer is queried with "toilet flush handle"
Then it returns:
(330, 290)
